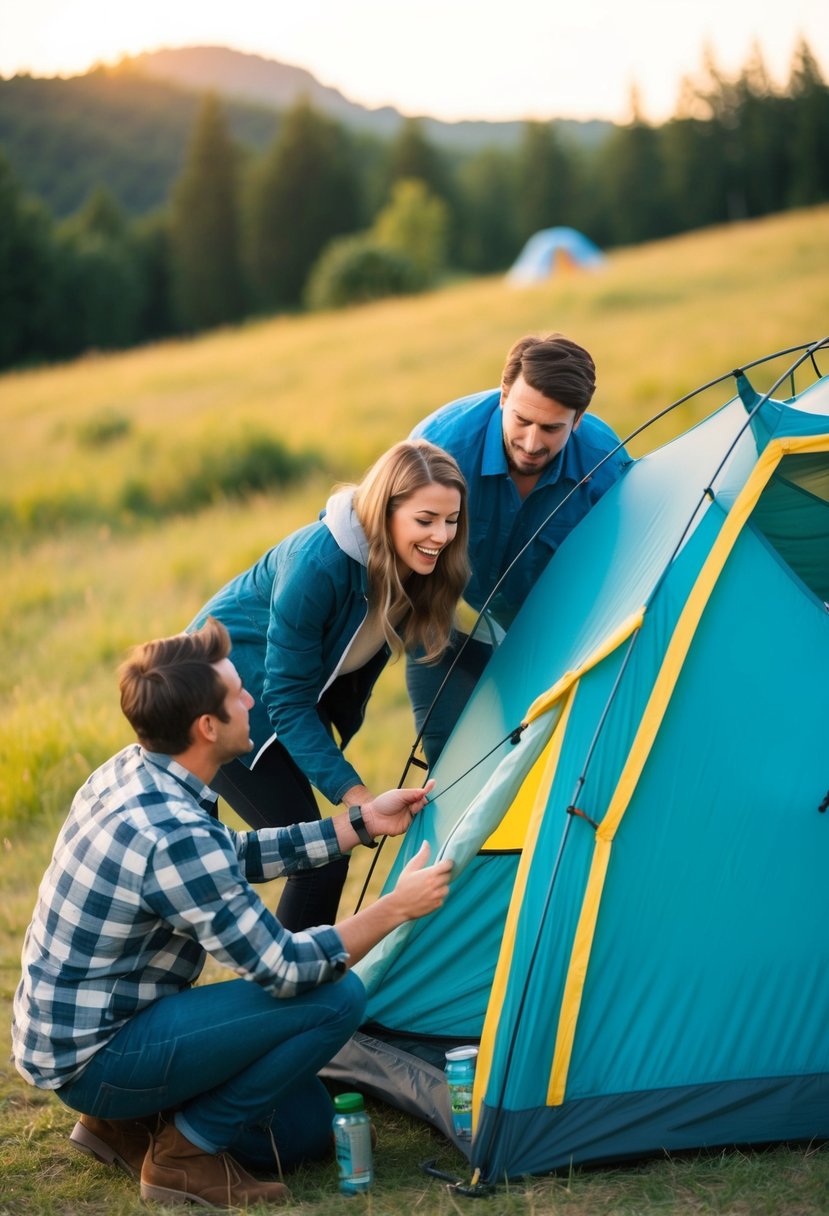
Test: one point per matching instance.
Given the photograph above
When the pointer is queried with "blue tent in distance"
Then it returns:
(554, 249)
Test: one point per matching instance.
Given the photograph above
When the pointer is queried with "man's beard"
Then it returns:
(513, 456)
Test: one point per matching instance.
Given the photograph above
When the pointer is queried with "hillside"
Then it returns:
(128, 126)
(83, 581)
(130, 132)
(660, 318)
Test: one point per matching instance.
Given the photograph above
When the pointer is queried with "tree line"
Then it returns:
(320, 219)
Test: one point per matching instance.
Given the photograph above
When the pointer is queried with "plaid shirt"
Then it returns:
(143, 883)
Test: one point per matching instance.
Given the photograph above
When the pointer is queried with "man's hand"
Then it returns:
(421, 888)
(391, 813)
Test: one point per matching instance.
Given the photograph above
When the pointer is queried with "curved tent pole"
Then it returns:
(809, 353)
(809, 350)
(708, 492)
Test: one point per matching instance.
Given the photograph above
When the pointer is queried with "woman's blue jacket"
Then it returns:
(291, 617)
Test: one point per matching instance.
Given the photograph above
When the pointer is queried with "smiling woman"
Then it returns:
(313, 623)
(422, 526)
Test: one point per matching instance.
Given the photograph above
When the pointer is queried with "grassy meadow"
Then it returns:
(119, 515)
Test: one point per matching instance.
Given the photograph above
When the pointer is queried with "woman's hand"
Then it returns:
(391, 813)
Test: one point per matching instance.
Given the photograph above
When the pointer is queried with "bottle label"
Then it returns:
(460, 1076)
(353, 1141)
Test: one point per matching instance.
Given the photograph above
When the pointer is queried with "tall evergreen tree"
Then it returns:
(101, 215)
(722, 97)
(27, 274)
(809, 121)
(487, 191)
(304, 193)
(691, 153)
(633, 183)
(411, 155)
(100, 287)
(208, 281)
(543, 180)
(762, 150)
(150, 239)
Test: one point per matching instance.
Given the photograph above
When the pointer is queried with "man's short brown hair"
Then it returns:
(554, 366)
(167, 683)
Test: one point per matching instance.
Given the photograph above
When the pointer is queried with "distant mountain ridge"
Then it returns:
(269, 82)
(255, 78)
(127, 126)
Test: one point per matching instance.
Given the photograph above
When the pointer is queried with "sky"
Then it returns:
(450, 59)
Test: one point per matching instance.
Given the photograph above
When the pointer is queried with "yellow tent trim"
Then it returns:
(541, 777)
(664, 685)
(577, 973)
(688, 622)
(511, 832)
(547, 699)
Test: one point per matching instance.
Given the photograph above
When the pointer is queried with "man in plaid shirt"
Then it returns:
(145, 882)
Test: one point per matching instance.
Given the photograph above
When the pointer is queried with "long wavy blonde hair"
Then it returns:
(427, 602)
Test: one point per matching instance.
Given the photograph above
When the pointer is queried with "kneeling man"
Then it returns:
(184, 1086)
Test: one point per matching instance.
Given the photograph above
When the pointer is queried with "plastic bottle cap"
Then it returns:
(462, 1053)
(348, 1102)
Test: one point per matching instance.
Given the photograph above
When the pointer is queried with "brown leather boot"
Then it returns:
(175, 1171)
(119, 1142)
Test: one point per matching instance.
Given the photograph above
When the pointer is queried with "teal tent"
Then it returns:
(554, 249)
(636, 933)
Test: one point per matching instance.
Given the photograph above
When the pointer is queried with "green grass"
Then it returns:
(82, 586)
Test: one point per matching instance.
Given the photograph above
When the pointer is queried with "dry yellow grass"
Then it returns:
(660, 320)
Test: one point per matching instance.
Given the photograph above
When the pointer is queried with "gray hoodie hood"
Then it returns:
(341, 520)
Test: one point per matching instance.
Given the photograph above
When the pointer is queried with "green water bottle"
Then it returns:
(352, 1138)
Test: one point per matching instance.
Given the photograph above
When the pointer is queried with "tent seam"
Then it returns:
(664, 685)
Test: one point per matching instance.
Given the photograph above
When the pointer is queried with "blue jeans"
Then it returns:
(236, 1064)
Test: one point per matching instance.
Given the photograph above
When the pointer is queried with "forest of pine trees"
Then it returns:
(246, 233)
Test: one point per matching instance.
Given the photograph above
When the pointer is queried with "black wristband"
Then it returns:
(355, 818)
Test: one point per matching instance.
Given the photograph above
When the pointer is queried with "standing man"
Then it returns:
(525, 450)
(144, 882)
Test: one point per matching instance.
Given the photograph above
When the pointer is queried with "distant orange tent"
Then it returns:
(551, 250)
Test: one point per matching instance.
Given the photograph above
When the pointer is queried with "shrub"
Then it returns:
(102, 428)
(255, 462)
(355, 269)
(171, 484)
(415, 223)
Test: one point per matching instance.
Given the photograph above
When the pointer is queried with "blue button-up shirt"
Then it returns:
(500, 523)
(143, 882)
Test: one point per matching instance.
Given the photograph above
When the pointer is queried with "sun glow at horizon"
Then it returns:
(488, 62)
